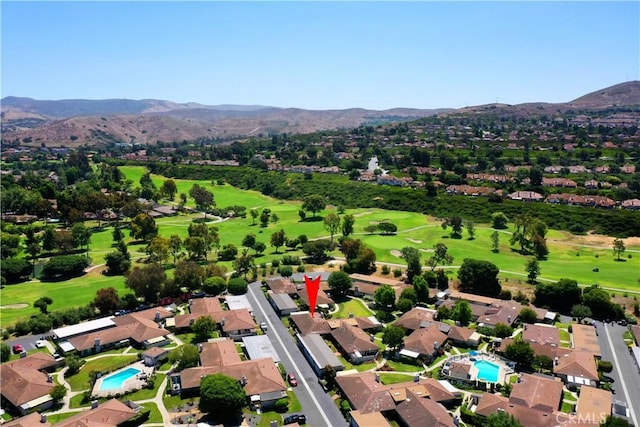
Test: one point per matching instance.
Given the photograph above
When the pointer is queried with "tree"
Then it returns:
(529, 234)
(48, 239)
(278, 239)
(499, 220)
(495, 242)
(169, 189)
(249, 241)
(74, 363)
(175, 246)
(339, 282)
(214, 285)
(11, 244)
(403, 305)
(502, 419)
(332, 224)
(471, 230)
(237, 286)
(158, 249)
(599, 301)
(228, 252)
(106, 300)
(302, 214)
(421, 288)
(15, 269)
(520, 352)
(455, 222)
(43, 304)
(202, 197)
(117, 234)
(221, 394)
(371, 229)
(254, 214)
(5, 353)
(412, 257)
(264, 217)
(65, 266)
(81, 235)
(528, 315)
(259, 247)
(461, 312)
(559, 296)
(387, 227)
(244, 263)
(479, 277)
(613, 421)
(440, 256)
(410, 294)
(313, 203)
(186, 356)
(502, 330)
(317, 250)
(393, 336)
(542, 362)
(533, 270)
(329, 375)
(580, 312)
(143, 227)
(146, 281)
(443, 312)
(117, 262)
(203, 327)
(385, 297)
(347, 224)
(57, 393)
(188, 274)
(618, 248)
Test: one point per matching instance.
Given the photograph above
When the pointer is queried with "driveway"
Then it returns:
(316, 404)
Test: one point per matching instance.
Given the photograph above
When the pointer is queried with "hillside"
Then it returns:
(79, 122)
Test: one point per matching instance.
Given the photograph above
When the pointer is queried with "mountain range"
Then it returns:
(75, 122)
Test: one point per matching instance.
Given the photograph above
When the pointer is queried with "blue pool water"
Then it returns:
(115, 381)
(487, 371)
(473, 353)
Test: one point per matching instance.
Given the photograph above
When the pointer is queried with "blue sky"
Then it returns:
(319, 55)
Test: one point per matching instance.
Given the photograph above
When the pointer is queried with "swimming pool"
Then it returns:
(487, 371)
(115, 381)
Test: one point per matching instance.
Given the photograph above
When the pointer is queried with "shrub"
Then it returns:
(291, 260)
(397, 272)
(275, 263)
(300, 269)
(282, 405)
(385, 269)
(65, 266)
(285, 270)
(238, 286)
(605, 366)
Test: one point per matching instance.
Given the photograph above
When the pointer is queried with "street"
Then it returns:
(625, 372)
(317, 405)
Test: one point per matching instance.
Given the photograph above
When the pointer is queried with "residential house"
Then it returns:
(154, 356)
(543, 334)
(586, 338)
(198, 307)
(25, 385)
(419, 411)
(526, 196)
(283, 304)
(537, 392)
(111, 413)
(416, 318)
(318, 353)
(490, 403)
(236, 324)
(577, 367)
(260, 378)
(305, 324)
(633, 204)
(355, 344)
(282, 286)
(594, 405)
(426, 342)
(464, 337)
(358, 419)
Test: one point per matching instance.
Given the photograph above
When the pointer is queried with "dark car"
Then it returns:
(292, 380)
(296, 418)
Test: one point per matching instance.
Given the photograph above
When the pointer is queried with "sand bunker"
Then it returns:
(414, 240)
(14, 306)
(358, 215)
(395, 252)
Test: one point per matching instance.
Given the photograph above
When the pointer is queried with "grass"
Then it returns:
(567, 408)
(56, 418)
(267, 417)
(360, 368)
(438, 359)
(355, 306)
(294, 403)
(394, 378)
(414, 229)
(564, 335)
(404, 367)
(80, 381)
(146, 393)
(568, 396)
(171, 402)
(155, 416)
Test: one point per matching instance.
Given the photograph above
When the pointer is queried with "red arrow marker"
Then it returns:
(313, 285)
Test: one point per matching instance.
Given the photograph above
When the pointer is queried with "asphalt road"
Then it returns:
(318, 407)
(625, 372)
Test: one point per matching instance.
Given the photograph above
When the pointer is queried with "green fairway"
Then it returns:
(570, 256)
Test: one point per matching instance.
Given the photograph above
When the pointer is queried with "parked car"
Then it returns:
(263, 326)
(296, 418)
(17, 348)
(41, 343)
(292, 380)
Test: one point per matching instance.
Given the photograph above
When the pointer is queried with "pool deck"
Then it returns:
(503, 368)
(136, 382)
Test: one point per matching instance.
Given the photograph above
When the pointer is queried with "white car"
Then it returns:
(263, 326)
(41, 343)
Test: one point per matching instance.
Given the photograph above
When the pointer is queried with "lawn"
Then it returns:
(567, 408)
(567, 258)
(155, 416)
(294, 403)
(171, 402)
(360, 368)
(56, 418)
(146, 393)
(394, 378)
(80, 381)
(352, 306)
(404, 367)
